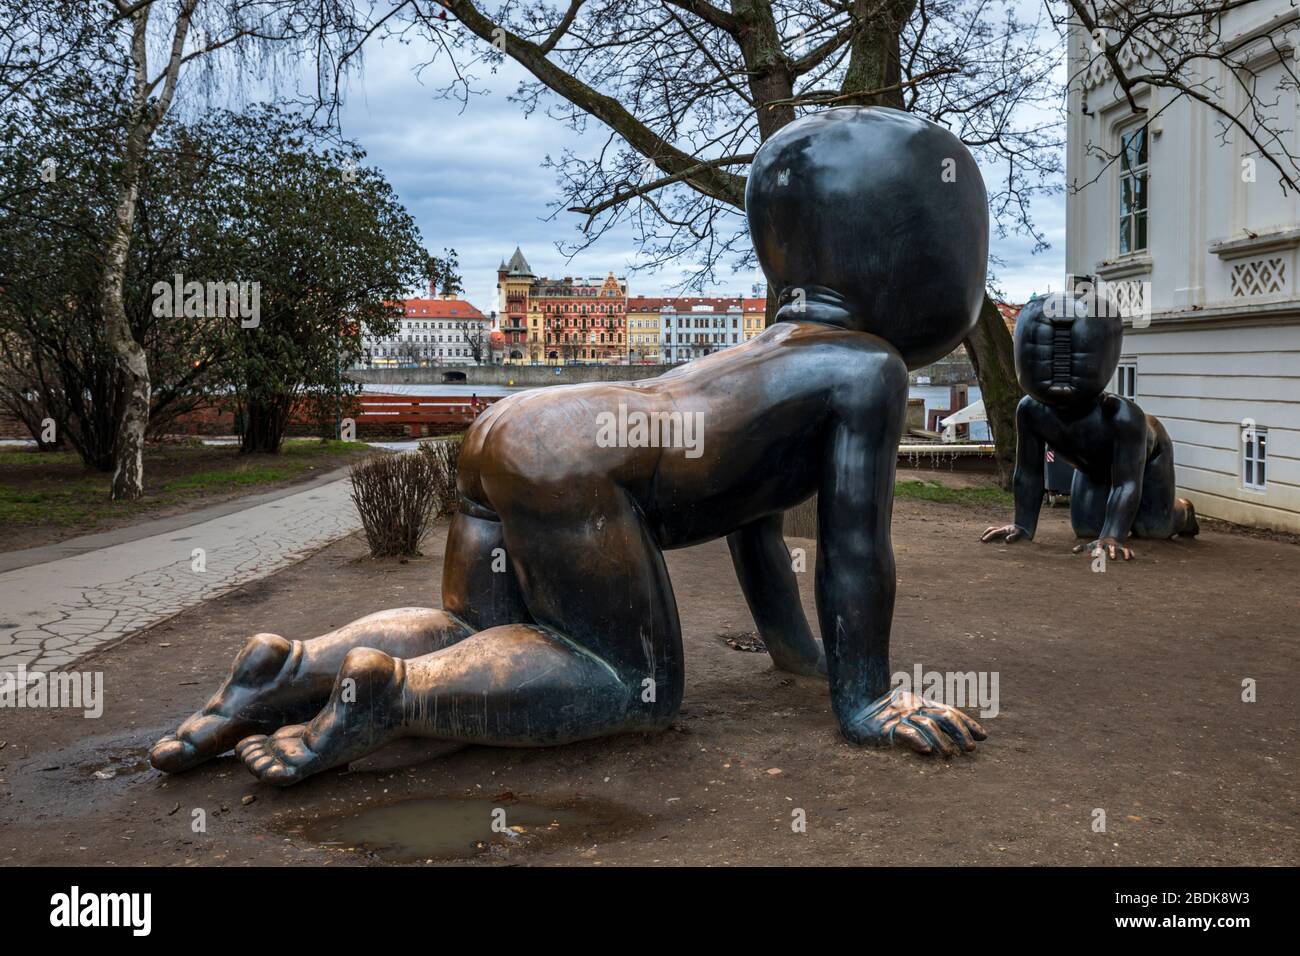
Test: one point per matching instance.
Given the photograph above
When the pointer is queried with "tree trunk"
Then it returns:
(265, 422)
(133, 368)
(132, 404)
(993, 355)
(874, 68)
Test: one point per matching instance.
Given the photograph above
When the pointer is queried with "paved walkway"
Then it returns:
(55, 608)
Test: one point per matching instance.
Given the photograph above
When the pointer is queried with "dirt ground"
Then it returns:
(1119, 691)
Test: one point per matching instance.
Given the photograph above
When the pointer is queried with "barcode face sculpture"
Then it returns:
(1067, 349)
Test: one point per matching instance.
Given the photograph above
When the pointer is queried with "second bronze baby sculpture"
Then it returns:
(873, 227)
(1066, 352)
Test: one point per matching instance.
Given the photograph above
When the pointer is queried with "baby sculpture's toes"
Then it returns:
(282, 758)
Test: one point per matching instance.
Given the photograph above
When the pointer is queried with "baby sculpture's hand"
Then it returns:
(1008, 533)
(1113, 549)
(926, 726)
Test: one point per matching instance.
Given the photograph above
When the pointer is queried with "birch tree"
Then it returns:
(164, 46)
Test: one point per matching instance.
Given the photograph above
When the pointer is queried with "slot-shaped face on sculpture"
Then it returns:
(873, 219)
(1066, 355)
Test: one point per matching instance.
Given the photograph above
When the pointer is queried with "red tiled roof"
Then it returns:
(440, 309)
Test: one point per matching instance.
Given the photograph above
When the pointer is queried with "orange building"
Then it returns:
(554, 321)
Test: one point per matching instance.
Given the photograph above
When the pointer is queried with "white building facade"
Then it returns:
(442, 331)
(1192, 234)
(701, 331)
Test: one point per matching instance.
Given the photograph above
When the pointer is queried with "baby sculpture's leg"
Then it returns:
(275, 682)
(605, 656)
(1161, 513)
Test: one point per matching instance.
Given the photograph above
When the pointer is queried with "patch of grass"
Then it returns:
(228, 478)
(306, 447)
(68, 503)
(46, 496)
(12, 455)
(933, 491)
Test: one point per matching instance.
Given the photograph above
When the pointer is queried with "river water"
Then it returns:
(935, 396)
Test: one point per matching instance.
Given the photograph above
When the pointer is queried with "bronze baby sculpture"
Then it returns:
(872, 225)
(1124, 459)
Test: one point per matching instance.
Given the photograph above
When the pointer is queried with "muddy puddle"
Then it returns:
(118, 763)
(455, 828)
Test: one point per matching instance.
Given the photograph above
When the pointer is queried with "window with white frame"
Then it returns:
(1133, 189)
(1126, 380)
(1254, 457)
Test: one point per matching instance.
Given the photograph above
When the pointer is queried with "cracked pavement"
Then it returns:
(53, 613)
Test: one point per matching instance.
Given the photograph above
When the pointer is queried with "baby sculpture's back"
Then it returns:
(704, 448)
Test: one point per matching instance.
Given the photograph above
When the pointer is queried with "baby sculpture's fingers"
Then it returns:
(904, 734)
(953, 726)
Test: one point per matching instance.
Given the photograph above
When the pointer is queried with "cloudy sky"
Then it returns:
(473, 180)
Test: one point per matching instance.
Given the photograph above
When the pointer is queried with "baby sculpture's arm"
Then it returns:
(855, 570)
(1128, 464)
(1028, 480)
(767, 577)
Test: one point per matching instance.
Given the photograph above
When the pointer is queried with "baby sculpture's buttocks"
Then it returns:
(872, 227)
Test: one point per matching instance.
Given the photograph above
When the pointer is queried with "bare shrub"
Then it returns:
(443, 456)
(396, 496)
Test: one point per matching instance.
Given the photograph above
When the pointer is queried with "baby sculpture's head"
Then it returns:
(876, 220)
(1065, 355)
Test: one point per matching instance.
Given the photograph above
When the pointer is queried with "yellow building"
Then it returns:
(643, 329)
(755, 311)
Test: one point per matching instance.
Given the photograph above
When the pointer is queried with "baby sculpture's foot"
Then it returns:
(359, 718)
(251, 700)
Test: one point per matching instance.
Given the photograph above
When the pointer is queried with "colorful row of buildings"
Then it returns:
(556, 321)
(543, 321)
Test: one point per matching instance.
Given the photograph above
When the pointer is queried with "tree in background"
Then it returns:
(329, 250)
(443, 274)
(56, 365)
(477, 340)
(154, 43)
(1177, 51)
(261, 199)
(56, 374)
